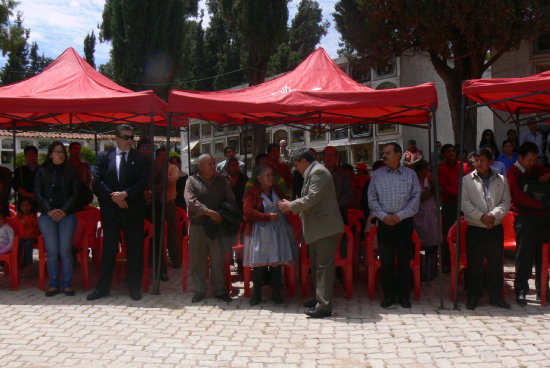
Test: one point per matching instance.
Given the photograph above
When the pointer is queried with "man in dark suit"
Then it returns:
(120, 179)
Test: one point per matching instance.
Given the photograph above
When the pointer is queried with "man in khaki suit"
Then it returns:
(321, 225)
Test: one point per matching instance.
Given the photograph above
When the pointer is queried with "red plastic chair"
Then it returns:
(182, 225)
(121, 255)
(346, 263)
(10, 259)
(80, 241)
(373, 264)
(92, 217)
(544, 273)
(462, 260)
(355, 225)
(509, 231)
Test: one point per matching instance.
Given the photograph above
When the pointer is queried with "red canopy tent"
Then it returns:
(516, 96)
(317, 91)
(69, 91)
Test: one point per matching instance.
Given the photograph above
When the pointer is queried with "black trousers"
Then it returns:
(395, 241)
(482, 243)
(132, 229)
(531, 233)
(448, 218)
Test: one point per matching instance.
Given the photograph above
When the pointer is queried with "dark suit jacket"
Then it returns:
(106, 182)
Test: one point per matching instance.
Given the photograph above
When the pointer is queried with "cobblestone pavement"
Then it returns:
(167, 330)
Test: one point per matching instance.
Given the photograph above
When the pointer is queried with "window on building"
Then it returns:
(541, 46)
(206, 129)
(317, 134)
(7, 157)
(195, 132)
(339, 132)
(280, 135)
(386, 70)
(24, 143)
(297, 136)
(43, 144)
(7, 143)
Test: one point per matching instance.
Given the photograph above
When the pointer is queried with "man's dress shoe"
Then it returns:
(98, 294)
(317, 313)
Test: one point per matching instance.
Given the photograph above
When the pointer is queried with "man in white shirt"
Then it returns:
(532, 135)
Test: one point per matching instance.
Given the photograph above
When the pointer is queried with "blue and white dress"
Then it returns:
(271, 242)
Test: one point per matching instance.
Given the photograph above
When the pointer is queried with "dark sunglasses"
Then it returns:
(126, 137)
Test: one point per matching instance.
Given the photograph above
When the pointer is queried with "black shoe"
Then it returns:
(69, 292)
(224, 297)
(277, 299)
(97, 295)
(197, 297)
(471, 304)
(51, 292)
(405, 303)
(500, 303)
(317, 313)
(164, 277)
(387, 302)
(255, 300)
(135, 295)
(521, 298)
(311, 304)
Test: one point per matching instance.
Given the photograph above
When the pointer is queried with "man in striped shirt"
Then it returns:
(394, 198)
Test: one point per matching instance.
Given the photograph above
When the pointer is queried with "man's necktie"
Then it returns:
(122, 169)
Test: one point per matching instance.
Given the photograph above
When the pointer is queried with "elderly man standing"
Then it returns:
(394, 198)
(321, 225)
(286, 155)
(485, 202)
(204, 194)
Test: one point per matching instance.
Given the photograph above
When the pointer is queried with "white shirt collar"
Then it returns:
(521, 168)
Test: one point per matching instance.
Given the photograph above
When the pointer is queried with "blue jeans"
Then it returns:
(27, 246)
(58, 240)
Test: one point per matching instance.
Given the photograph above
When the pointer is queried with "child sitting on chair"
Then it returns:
(29, 238)
(6, 233)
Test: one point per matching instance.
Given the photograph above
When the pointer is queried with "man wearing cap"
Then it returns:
(341, 178)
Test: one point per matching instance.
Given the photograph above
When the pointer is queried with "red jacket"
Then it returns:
(253, 202)
(522, 204)
(448, 181)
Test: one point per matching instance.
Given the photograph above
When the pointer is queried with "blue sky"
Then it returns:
(58, 24)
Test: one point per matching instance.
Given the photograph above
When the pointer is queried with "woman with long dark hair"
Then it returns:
(55, 190)
(488, 139)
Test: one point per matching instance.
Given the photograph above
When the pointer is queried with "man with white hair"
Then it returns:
(204, 194)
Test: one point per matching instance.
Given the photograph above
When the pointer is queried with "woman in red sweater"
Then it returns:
(268, 237)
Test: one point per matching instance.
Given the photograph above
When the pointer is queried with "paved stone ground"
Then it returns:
(167, 330)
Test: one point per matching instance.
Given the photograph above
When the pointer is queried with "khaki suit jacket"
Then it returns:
(318, 206)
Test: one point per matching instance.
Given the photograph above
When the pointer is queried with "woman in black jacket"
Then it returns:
(55, 190)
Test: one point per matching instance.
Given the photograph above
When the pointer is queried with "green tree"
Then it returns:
(37, 63)
(262, 26)
(304, 34)
(6, 11)
(15, 68)
(107, 69)
(456, 35)
(88, 155)
(89, 48)
(146, 37)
